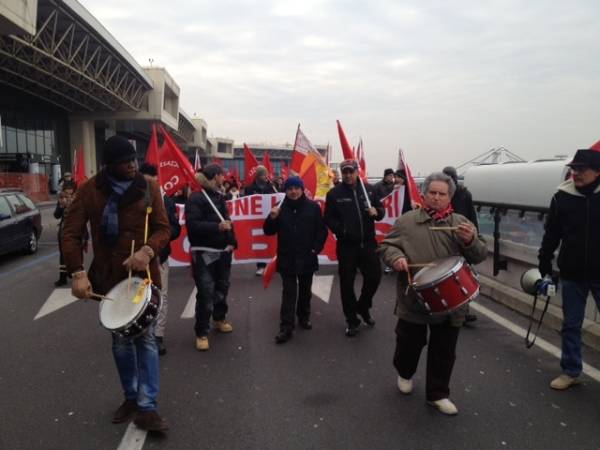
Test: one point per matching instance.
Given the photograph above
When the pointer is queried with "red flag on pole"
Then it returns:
(152, 151)
(250, 164)
(360, 156)
(197, 162)
(346, 148)
(413, 190)
(285, 171)
(175, 169)
(266, 161)
(79, 175)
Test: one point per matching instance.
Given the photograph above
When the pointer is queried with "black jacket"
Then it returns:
(264, 188)
(573, 222)
(175, 227)
(462, 203)
(301, 235)
(383, 189)
(347, 217)
(203, 223)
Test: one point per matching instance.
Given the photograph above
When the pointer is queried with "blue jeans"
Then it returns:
(574, 296)
(137, 363)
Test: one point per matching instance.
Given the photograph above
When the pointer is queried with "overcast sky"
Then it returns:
(444, 80)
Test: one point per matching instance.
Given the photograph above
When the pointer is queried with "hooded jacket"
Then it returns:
(573, 222)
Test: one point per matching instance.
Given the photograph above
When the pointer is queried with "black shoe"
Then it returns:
(162, 350)
(150, 421)
(367, 319)
(62, 280)
(283, 336)
(125, 412)
(305, 324)
(351, 330)
(470, 318)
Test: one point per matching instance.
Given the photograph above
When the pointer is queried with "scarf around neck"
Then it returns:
(110, 216)
(438, 216)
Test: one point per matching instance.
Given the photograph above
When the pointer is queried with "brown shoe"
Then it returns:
(202, 344)
(150, 421)
(125, 412)
(223, 326)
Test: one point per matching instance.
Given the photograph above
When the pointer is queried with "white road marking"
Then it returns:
(190, 308)
(57, 300)
(590, 371)
(133, 439)
(321, 286)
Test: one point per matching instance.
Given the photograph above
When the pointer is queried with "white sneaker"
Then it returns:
(563, 382)
(405, 386)
(445, 406)
(260, 271)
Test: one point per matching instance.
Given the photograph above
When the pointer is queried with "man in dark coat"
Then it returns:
(385, 187)
(212, 243)
(573, 222)
(151, 171)
(301, 235)
(64, 200)
(117, 202)
(349, 217)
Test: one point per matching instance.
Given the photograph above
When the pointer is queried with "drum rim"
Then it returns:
(453, 310)
(145, 301)
(462, 262)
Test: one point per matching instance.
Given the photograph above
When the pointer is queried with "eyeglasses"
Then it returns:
(348, 170)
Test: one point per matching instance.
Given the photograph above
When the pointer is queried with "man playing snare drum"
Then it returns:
(115, 202)
(412, 242)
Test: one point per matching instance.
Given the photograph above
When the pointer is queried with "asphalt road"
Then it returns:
(321, 390)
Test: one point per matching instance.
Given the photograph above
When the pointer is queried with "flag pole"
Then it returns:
(213, 205)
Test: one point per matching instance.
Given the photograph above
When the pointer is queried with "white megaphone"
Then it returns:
(533, 283)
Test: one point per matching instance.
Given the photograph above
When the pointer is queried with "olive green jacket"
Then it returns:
(411, 238)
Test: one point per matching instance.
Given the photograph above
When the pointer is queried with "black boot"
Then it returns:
(283, 336)
(62, 280)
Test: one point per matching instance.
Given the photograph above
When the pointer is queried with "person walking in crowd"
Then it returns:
(151, 172)
(349, 217)
(411, 241)
(261, 185)
(301, 235)
(573, 222)
(67, 182)
(462, 203)
(115, 202)
(385, 187)
(64, 201)
(212, 243)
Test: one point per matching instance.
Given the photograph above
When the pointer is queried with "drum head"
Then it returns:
(443, 268)
(124, 307)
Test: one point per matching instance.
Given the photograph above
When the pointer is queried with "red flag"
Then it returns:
(413, 190)
(175, 169)
(269, 272)
(596, 147)
(284, 172)
(346, 148)
(360, 156)
(152, 151)
(250, 164)
(79, 167)
(197, 162)
(266, 161)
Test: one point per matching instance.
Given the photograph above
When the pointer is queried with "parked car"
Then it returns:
(20, 222)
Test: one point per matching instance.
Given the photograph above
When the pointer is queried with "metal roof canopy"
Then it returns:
(73, 62)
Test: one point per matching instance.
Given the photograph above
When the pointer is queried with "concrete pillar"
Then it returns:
(83, 135)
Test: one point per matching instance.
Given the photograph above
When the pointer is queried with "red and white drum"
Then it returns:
(447, 285)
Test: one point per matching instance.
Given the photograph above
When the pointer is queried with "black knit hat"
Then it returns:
(387, 172)
(117, 149)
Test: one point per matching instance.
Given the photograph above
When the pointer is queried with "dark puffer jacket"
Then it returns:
(574, 223)
(301, 235)
(346, 214)
(203, 222)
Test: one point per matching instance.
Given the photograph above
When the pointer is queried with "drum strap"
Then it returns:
(529, 343)
(148, 201)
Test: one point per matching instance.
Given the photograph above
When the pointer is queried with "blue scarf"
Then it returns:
(110, 216)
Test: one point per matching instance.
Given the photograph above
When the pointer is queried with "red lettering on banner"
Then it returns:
(256, 205)
(241, 206)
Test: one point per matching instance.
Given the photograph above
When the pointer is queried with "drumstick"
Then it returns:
(443, 228)
(423, 265)
(101, 297)
(409, 277)
(130, 256)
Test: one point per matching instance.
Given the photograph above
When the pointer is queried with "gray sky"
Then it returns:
(444, 80)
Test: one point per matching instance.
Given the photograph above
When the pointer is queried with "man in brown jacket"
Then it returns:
(412, 240)
(115, 202)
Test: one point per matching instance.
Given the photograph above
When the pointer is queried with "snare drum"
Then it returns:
(446, 286)
(133, 306)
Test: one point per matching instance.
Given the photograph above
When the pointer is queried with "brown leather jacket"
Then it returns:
(88, 205)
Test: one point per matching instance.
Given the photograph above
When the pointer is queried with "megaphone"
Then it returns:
(533, 283)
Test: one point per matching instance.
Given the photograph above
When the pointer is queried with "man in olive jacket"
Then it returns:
(412, 241)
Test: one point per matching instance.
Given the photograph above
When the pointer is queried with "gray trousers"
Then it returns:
(161, 321)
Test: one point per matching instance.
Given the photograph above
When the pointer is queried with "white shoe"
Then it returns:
(260, 271)
(445, 406)
(405, 386)
(563, 382)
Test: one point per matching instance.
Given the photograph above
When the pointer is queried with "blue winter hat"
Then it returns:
(293, 182)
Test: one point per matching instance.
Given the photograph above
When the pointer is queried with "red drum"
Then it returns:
(446, 286)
